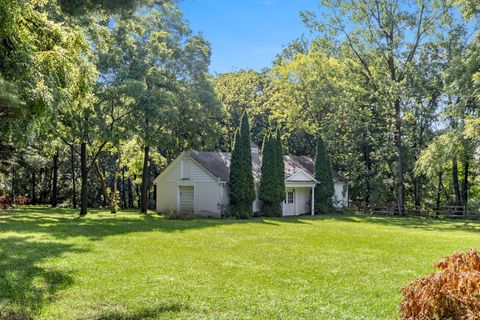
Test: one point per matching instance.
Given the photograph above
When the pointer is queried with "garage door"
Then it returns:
(186, 199)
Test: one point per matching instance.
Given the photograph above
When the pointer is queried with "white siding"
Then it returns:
(301, 203)
(166, 197)
(340, 199)
(302, 197)
(197, 173)
(208, 199)
(209, 194)
(299, 176)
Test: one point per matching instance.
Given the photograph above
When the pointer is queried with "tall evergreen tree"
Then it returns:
(323, 173)
(279, 170)
(236, 177)
(242, 188)
(272, 183)
(268, 180)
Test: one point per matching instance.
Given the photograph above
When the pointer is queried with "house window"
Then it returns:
(185, 169)
(290, 196)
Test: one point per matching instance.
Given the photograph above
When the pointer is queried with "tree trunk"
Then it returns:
(130, 193)
(137, 195)
(54, 199)
(417, 195)
(14, 185)
(49, 185)
(103, 184)
(456, 184)
(439, 190)
(84, 178)
(418, 151)
(41, 178)
(74, 191)
(144, 187)
(368, 163)
(465, 186)
(113, 196)
(124, 192)
(33, 188)
(398, 144)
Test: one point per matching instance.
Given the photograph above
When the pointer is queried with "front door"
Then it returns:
(289, 202)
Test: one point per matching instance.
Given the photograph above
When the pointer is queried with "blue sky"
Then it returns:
(246, 33)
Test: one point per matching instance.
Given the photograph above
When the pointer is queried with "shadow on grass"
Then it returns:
(155, 312)
(427, 224)
(65, 223)
(25, 286)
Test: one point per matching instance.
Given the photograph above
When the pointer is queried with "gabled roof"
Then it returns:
(218, 164)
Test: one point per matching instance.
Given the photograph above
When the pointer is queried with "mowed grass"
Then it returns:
(54, 265)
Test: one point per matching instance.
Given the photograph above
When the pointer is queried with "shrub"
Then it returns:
(174, 215)
(21, 200)
(451, 293)
(8, 202)
(5, 202)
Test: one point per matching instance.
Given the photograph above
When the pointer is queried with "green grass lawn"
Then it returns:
(54, 265)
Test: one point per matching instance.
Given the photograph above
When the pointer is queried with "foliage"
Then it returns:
(40, 57)
(272, 181)
(391, 86)
(385, 38)
(238, 91)
(469, 8)
(7, 201)
(279, 170)
(154, 71)
(241, 185)
(451, 293)
(324, 191)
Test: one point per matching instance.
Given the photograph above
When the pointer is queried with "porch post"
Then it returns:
(313, 202)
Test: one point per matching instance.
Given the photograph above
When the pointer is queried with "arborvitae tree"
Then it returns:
(250, 193)
(279, 175)
(323, 173)
(268, 181)
(242, 188)
(236, 177)
(272, 183)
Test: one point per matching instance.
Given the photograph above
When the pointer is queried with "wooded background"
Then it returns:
(96, 100)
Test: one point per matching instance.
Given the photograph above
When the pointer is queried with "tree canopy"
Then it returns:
(98, 97)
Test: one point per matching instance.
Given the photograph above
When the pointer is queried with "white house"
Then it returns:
(197, 182)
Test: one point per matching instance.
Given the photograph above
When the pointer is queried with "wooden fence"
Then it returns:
(461, 212)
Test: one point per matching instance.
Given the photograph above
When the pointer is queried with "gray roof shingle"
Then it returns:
(218, 164)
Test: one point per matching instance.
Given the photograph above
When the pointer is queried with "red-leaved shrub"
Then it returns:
(451, 293)
(21, 200)
(5, 202)
(8, 202)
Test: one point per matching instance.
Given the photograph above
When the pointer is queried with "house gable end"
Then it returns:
(301, 176)
(174, 171)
